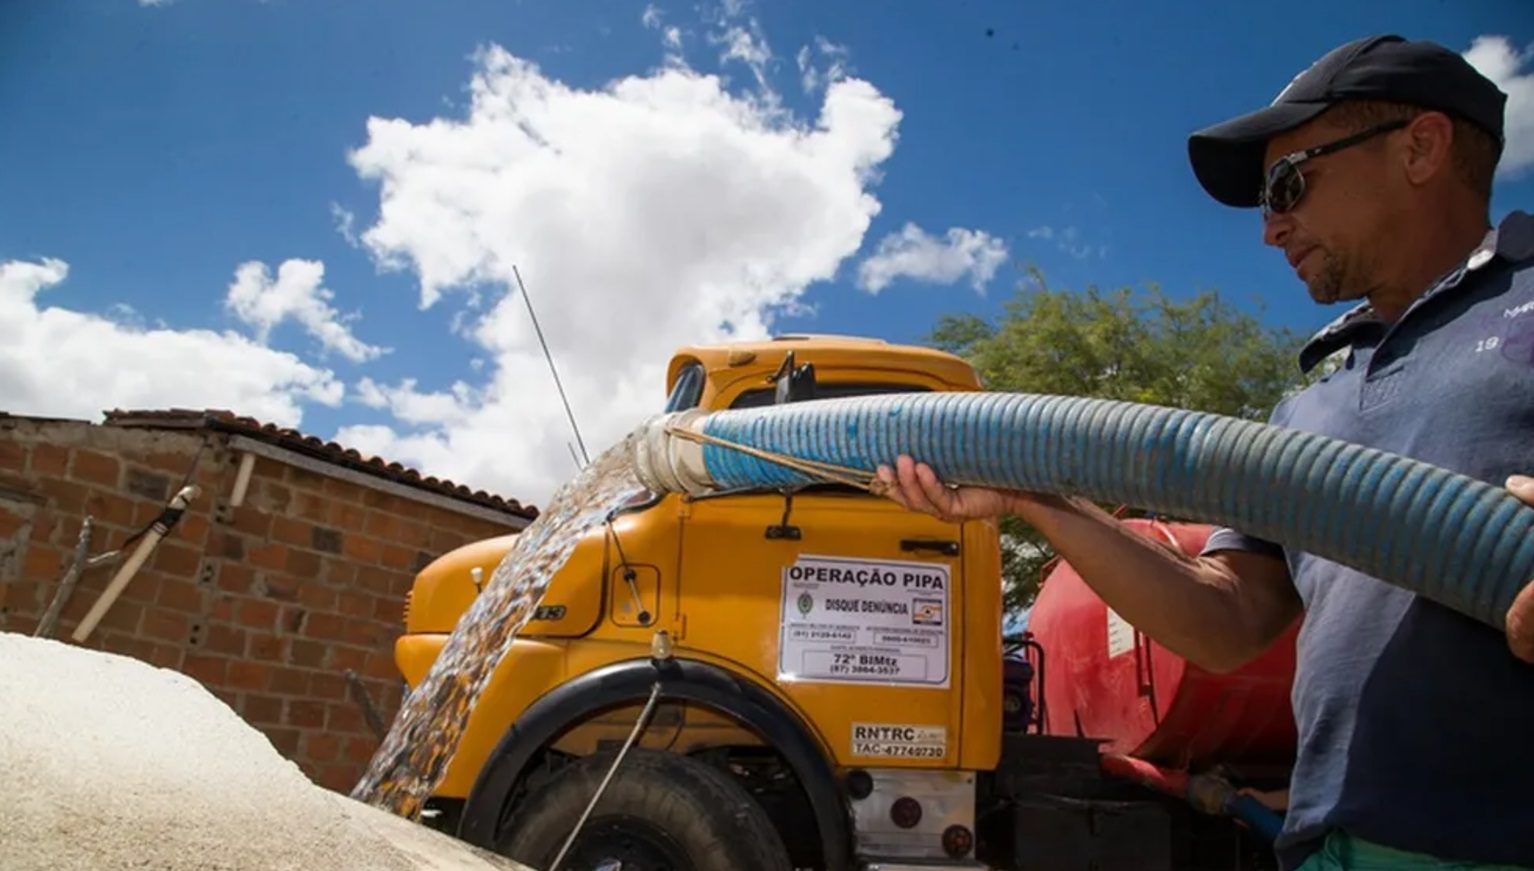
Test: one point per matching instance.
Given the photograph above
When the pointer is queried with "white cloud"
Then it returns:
(411, 406)
(834, 56)
(58, 362)
(125, 315)
(743, 41)
(671, 36)
(371, 395)
(747, 44)
(1068, 239)
(345, 223)
(658, 211)
(915, 253)
(155, 2)
(1496, 59)
(296, 293)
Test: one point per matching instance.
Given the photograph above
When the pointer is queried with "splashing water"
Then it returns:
(421, 742)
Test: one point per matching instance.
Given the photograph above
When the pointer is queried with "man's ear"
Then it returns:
(1429, 147)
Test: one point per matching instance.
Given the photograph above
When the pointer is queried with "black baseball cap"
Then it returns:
(1227, 158)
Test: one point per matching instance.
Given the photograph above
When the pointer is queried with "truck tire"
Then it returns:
(661, 812)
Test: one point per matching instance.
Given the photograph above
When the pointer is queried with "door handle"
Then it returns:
(946, 548)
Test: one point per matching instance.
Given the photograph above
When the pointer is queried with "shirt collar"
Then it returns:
(1511, 241)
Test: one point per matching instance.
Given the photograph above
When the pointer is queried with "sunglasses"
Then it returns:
(1285, 185)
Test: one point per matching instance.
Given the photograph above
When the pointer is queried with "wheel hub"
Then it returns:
(626, 844)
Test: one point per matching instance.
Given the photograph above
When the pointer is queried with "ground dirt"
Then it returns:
(112, 763)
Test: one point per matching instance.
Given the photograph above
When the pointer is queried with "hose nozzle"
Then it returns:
(667, 464)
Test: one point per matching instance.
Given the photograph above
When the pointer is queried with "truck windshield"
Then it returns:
(687, 390)
(828, 390)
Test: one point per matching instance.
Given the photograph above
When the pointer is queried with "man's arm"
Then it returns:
(1217, 611)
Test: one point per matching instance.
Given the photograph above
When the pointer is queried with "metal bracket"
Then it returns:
(783, 529)
(946, 548)
(640, 611)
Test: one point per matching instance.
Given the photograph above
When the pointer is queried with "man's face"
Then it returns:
(1333, 238)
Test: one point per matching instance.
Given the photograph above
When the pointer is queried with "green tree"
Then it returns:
(1198, 353)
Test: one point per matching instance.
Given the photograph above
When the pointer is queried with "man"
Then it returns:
(1373, 171)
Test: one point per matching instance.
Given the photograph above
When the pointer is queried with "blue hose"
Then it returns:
(1456, 540)
(1267, 824)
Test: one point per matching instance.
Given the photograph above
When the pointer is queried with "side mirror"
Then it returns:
(793, 383)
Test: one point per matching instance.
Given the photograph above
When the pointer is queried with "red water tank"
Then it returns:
(1104, 679)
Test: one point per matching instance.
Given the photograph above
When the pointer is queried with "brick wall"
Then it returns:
(268, 604)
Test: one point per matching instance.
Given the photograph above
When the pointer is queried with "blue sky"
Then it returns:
(302, 211)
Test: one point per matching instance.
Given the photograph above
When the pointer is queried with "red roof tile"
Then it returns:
(331, 452)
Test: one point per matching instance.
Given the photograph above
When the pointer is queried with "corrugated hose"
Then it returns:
(1456, 540)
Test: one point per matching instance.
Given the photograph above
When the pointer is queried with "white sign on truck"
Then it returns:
(899, 740)
(864, 621)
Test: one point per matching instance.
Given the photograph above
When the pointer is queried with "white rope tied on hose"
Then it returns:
(639, 725)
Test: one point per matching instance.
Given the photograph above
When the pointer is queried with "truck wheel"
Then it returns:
(661, 812)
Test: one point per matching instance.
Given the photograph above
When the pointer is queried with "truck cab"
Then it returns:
(823, 623)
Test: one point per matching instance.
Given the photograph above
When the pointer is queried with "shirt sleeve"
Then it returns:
(1224, 538)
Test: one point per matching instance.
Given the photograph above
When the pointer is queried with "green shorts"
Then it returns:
(1343, 852)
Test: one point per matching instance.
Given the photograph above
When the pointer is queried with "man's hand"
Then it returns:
(916, 486)
(1520, 617)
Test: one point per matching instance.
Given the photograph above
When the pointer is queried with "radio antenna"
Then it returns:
(550, 357)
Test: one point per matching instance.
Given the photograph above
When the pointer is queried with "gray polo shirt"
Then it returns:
(1416, 724)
